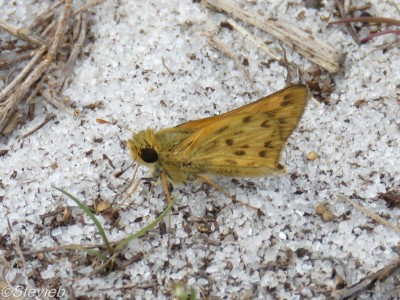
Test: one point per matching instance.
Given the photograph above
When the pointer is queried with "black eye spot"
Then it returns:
(239, 152)
(229, 142)
(149, 155)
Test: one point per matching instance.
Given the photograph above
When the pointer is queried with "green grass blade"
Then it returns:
(145, 229)
(92, 216)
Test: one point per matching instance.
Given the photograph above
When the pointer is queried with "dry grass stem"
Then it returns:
(258, 42)
(311, 48)
(60, 31)
(48, 118)
(370, 213)
(17, 80)
(46, 16)
(368, 282)
(225, 49)
(77, 48)
(41, 76)
(87, 6)
(343, 10)
(22, 34)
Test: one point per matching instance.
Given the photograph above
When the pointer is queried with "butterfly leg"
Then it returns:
(169, 200)
(165, 185)
(219, 188)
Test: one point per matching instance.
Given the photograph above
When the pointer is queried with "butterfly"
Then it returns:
(244, 142)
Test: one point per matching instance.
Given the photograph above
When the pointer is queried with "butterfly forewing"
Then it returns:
(286, 106)
(231, 145)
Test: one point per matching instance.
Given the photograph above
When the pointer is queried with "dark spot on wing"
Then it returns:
(247, 119)
(265, 124)
(238, 132)
(283, 121)
(262, 153)
(270, 113)
(245, 146)
(280, 167)
(231, 162)
(239, 152)
(268, 144)
(222, 129)
(287, 100)
(229, 142)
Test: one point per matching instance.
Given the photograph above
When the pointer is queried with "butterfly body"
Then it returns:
(245, 142)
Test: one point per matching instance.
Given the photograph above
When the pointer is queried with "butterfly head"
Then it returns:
(144, 148)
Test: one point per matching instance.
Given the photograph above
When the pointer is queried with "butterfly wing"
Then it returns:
(285, 106)
(244, 145)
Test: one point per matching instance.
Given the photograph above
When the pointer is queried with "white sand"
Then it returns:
(358, 156)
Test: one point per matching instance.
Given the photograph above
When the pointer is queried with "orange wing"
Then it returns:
(290, 101)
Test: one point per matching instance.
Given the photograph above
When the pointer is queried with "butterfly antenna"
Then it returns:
(102, 121)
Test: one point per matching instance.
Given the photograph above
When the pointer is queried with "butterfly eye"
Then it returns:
(149, 155)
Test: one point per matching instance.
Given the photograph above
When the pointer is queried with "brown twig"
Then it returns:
(349, 28)
(221, 46)
(258, 42)
(48, 118)
(46, 15)
(60, 31)
(23, 34)
(383, 32)
(88, 6)
(379, 20)
(368, 282)
(77, 48)
(10, 87)
(371, 214)
(311, 48)
(36, 76)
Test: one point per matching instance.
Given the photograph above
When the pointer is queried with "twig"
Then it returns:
(13, 100)
(23, 34)
(311, 48)
(48, 94)
(259, 43)
(349, 28)
(369, 213)
(216, 41)
(77, 48)
(17, 247)
(387, 21)
(367, 282)
(60, 31)
(383, 32)
(7, 90)
(163, 62)
(286, 63)
(87, 6)
(48, 118)
(46, 15)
